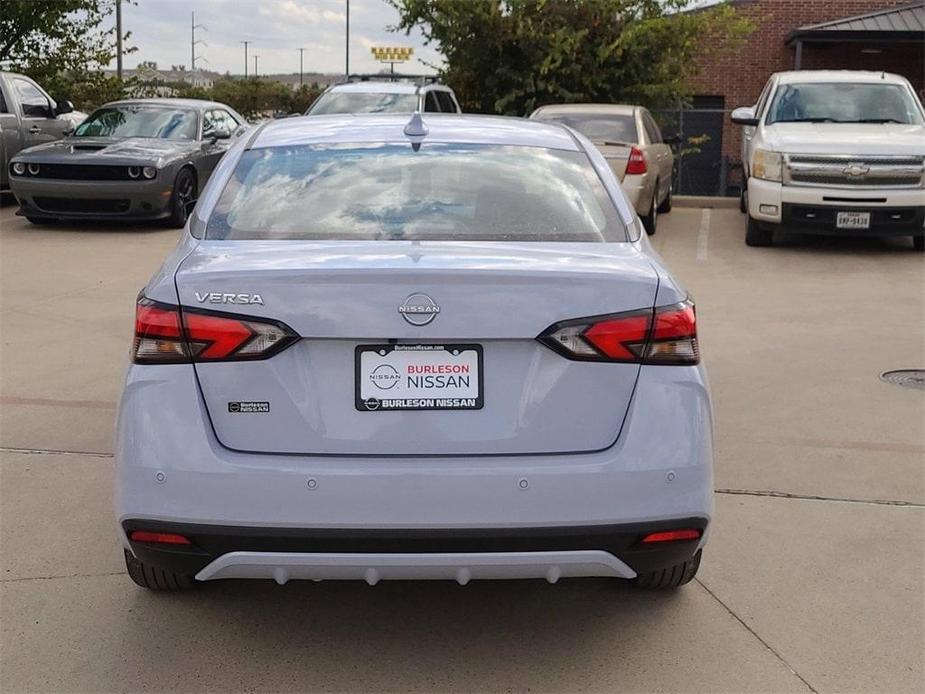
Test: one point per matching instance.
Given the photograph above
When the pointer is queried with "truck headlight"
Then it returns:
(767, 165)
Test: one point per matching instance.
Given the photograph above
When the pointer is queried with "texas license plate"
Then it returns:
(853, 220)
(418, 377)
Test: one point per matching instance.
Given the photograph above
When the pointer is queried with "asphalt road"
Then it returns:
(814, 579)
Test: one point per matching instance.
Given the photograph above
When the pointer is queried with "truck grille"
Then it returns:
(854, 172)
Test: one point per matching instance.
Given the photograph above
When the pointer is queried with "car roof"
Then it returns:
(805, 76)
(198, 104)
(615, 109)
(442, 127)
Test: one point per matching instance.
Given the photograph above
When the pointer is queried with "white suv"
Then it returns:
(834, 152)
(385, 94)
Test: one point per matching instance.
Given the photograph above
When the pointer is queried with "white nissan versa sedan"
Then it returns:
(425, 348)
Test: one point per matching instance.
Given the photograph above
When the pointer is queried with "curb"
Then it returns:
(705, 201)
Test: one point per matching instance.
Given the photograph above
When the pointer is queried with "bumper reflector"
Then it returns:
(672, 536)
(159, 538)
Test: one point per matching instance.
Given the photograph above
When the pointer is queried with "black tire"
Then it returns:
(650, 221)
(743, 200)
(918, 243)
(756, 235)
(665, 207)
(182, 199)
(153, 578)
(672, 577)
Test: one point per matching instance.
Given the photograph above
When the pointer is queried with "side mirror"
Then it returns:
(64, 106)
(744, 115)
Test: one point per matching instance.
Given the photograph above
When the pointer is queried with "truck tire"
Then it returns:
(152, 578)
(672, 577)
(756, 235)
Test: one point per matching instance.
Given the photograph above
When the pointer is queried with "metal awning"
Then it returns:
(901, 24)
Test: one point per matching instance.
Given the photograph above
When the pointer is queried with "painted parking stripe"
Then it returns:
(703, 238)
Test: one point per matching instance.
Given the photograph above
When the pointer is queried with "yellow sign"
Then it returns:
(392, 54)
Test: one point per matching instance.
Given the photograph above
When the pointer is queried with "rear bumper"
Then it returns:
(173, 474)
(640, 189)
(812, 210)
(62, 199)
(283, 553)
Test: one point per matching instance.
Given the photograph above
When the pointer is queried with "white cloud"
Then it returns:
(275, 28)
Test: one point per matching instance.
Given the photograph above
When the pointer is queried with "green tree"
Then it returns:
(511, 56)
(62, 44)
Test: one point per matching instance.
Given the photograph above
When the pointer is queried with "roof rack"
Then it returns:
(420, 80)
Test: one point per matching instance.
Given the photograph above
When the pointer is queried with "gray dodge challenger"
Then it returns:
(139, 159)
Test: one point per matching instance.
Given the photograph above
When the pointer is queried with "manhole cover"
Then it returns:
(908, 378)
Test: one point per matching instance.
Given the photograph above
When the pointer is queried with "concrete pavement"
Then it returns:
(814, 579)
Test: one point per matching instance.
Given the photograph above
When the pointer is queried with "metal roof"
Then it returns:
(901, 22)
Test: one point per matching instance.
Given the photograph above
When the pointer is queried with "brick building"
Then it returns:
(796, 34)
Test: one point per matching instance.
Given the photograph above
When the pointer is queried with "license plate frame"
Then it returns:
(363, 402)
(852, 219)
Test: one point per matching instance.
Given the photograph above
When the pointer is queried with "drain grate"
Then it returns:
(907, 378)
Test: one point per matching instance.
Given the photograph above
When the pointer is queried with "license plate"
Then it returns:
(853, 220)
(418, 377)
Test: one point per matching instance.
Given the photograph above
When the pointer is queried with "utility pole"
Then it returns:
(119, 39)
(245, 57)
(301, 51)
(255, 66)
(347, 52)
(193, 41)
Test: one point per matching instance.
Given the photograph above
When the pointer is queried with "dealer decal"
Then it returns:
(241, 407)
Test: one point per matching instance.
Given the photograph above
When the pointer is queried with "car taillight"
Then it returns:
(636, 164)
(663, 335)
(170, 334)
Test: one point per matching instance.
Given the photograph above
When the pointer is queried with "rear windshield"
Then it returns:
(844, 102)
(597, 127)
(442, 192)
(363, 102)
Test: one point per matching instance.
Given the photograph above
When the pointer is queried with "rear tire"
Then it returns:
(672, 577)
(743, 200)
(918, 243)
(666, 203)
(756, 235)
(182, 199)
(650, 221)
(156, 579)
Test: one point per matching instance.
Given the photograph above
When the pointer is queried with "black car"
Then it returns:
(138, 159)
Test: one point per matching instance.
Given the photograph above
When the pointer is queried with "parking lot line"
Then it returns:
(703, 237)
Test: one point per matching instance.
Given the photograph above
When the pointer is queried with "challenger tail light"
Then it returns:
(169, 334)
(636, 164)
(663, 335)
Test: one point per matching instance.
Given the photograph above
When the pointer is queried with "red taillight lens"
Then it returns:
(166, 334)
(672, 536)
(159, 538)
(664, 335)
(636, 164)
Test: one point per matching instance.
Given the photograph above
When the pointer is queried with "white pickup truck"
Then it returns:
(834, 152)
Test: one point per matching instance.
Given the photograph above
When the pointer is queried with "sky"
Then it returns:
(276, 29)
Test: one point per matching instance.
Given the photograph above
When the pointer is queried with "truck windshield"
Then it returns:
(139, 121)
(844, 102)
(363, 102)
(439, 192)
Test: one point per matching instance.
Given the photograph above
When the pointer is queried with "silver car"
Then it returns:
(632, 143)
(436, 348)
